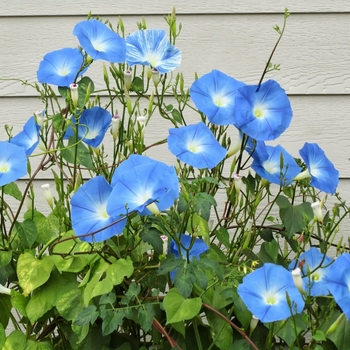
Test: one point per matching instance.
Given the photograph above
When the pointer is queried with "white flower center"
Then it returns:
(272, 298)
(194, 147)
(271, 167)
(4, 167)
(221, 100)
(153, 58)
(101, 211)
(259, 111)
(98, 45)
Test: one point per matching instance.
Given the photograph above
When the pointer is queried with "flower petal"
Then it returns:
(100, 42)
(264, 114)
(196, 145)
(60, 67)
(214, 95)
(151, 47)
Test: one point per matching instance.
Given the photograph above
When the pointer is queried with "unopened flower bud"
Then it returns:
(150, 104)
(148, 72)
(4, 290)
(141, 120)
(127, 79)
(74, 94)
(155, 76)
(39, 117)
(253, 323)
(48, 194)
(115, 126)
(297, 279)
(237, 178)
(29, 203)
(335, 325)
(316, 207)
(153, 208)
(165, 240)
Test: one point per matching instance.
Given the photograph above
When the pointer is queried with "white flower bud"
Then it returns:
(48, 194)
(316, 207)
(253, 323)
(115, 126)
(297, 279)
(155, 76)
(165, 240)
(39, 117)
(4, 290)
(74, 94)
(237, 178)
(127, 79)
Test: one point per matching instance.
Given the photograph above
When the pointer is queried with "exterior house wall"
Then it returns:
(235, 37)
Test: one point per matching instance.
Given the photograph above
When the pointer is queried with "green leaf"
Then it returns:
(133, 291)
(204, 202)
(341, 335)
(5, 258)
(221, 331)
(184, 280)
(5, 307)
(294, 217)
(145, 316)
(137, 84)
(109, 298)
(206, 263)
(88, 315)
(197, 225)
(112, 321)
(32, 272)
(33, 345)
(19, 302)
(241, 344)
(179, 309)
(83, 154)
(15, 341)
(2, 335)
(48, 227)
(27, 232)
(114, 275)
(152, 237)
(319, 336)
(177, 116)
(58, 120)
(269, 252)
(223, 236)
(169, 264)
(85, 85)
(12, 190)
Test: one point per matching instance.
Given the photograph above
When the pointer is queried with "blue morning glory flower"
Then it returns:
(90, 213)
(93, 124)
(151, 47)
(323, 174)
(270, 169)
(144, 185)
(214, 95)
(338, 282)
(316, 282)
(196, 145)
(29, 137)
(60, 67)
(13, 162)
(100, 42)
(264, 293)
(264, 114)
(257, 149)
(199, 247)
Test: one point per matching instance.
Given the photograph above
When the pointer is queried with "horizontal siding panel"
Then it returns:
(320, 119)
(141, 7)
(313, 58)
